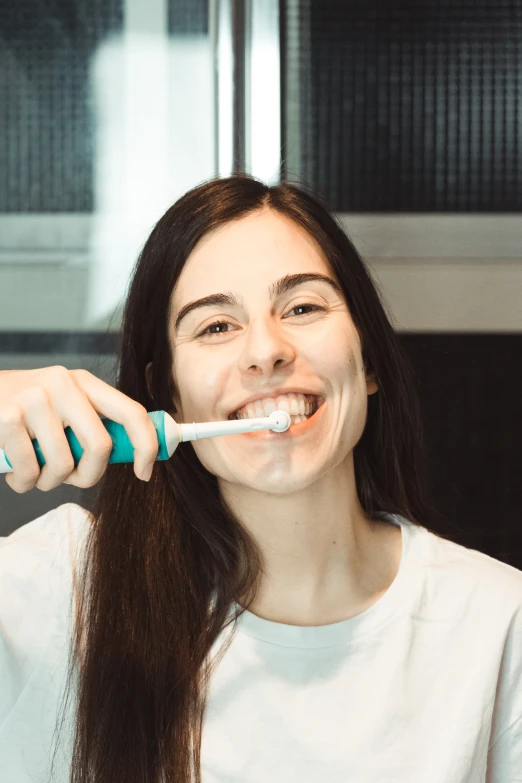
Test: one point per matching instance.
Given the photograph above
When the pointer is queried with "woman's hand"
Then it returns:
(42, 403)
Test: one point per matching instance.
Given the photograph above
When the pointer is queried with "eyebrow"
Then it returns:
(281, 286)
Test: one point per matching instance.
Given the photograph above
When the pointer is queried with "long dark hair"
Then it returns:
(165, 561)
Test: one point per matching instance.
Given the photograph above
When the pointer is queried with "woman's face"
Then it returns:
(300, 338)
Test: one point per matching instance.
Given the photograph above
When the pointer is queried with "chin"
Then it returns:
(276, 485)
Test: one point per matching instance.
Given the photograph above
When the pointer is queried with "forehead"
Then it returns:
(258, 248)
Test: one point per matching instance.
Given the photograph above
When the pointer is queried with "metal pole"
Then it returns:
(239, 107)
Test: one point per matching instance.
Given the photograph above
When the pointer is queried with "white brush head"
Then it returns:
(281, 421)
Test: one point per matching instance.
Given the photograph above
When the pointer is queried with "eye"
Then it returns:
(206, 333)
(301, 306)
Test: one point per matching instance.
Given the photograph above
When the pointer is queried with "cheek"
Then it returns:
(200, 387)
(218, 458)
(337, 352)
(343, 366)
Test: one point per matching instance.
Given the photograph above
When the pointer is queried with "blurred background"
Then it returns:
(405, 117)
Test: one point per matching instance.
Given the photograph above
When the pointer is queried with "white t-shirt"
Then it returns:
(425, 686)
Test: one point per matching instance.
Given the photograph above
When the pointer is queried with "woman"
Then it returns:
(270, 607)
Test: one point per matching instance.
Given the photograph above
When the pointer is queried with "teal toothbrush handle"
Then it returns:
(123, 450)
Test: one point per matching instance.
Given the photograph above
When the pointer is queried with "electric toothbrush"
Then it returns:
(169, 433)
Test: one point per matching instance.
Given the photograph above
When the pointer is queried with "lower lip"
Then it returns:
(294, 429)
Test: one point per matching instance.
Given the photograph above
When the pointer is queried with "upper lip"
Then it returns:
(273, 393)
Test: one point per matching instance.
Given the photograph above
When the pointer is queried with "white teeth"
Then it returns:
(284, 405)
(296, 405)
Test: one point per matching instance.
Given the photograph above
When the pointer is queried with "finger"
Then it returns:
(47, 424)
(110, 402)
(42, 423)
(16, 443)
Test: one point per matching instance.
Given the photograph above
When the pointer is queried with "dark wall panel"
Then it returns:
(411, 106)
(470, 388)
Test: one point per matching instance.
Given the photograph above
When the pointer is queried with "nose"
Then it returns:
(265, 346)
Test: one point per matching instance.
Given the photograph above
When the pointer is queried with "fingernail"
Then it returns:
(147, 474)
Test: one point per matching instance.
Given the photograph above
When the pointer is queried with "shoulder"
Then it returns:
(468, 586)
(39, 556)
(37, 570)
(473, 568)
(67, 519)
(51, 540)
(478, 599)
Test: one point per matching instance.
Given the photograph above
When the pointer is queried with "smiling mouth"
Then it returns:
(314, 402)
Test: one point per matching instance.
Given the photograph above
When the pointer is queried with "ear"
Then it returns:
(371, 383)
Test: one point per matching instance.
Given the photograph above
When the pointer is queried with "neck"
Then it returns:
(323, 559)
